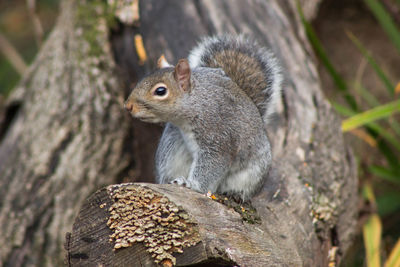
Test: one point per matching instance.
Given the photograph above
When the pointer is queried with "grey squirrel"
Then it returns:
(216, 105)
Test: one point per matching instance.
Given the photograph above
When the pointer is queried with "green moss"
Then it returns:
(246, 210)
(91, 14)
(8, 76)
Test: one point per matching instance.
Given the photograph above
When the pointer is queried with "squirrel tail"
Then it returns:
(254, 69)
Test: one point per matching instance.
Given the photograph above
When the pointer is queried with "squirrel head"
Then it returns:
(156, 97)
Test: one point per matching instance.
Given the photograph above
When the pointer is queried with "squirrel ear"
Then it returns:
(182, 74)
(162, 62)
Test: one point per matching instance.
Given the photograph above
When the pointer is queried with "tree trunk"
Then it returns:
(65, 135)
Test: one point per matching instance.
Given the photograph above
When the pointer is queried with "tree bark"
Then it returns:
(66, 135)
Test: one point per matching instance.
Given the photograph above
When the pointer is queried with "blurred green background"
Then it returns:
(17, 27)
(357, 43)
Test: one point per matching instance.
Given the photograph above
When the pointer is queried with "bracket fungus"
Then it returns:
(139, 214)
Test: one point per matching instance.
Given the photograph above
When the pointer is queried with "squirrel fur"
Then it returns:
(216, 106)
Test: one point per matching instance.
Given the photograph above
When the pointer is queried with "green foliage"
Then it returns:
(372, 231)
(17, 27)
(369, 98)
(394, 257)
(376, 128)
(379, 112)
(367, 118)
(385, 20)
(319, 49)
(89, 17)
(8, 76)
(388, 203)
(391, 175)
(381, 74)
(378, 123)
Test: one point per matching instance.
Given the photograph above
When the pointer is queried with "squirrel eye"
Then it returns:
(160, 91)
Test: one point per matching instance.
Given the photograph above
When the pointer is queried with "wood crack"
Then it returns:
(57, 152)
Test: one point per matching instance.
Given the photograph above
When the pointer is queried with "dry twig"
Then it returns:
(12, 55)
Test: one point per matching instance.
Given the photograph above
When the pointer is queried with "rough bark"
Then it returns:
(70, 136)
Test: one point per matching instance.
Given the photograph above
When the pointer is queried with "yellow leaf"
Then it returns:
(372, 231)
(140, 50)
(363, 135)
(397, 89)
(394, 257)
(368, 192)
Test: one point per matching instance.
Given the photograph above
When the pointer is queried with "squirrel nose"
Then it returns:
(128, 106)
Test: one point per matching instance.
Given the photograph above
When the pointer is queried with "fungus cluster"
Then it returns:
(139, 214)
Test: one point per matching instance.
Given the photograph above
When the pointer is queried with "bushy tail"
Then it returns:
(252, 67)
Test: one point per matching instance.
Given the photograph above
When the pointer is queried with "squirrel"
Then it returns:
(216, 105)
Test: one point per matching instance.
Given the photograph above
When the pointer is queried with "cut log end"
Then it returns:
(132, 225)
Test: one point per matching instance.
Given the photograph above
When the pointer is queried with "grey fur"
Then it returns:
(227, 140)
(173, 159)
(210, 46)
(215, 138)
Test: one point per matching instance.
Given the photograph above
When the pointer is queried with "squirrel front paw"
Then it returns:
(180, 181)
(188, 184)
